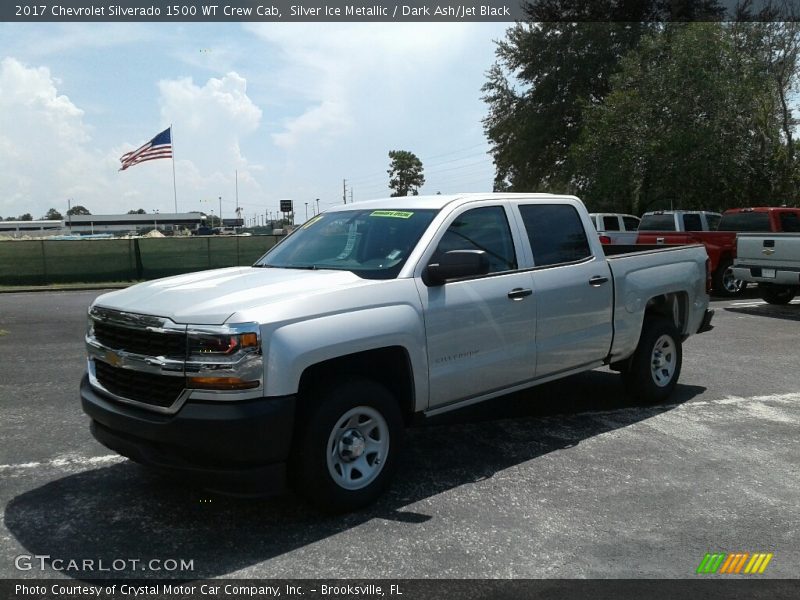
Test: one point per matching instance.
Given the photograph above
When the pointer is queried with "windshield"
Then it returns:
(373, 244)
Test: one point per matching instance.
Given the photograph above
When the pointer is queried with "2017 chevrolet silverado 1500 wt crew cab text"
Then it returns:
(306, 366)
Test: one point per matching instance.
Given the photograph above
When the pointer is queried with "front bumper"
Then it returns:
(237, 447)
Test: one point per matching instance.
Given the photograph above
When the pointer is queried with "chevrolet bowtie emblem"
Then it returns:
(112, 358)
(768, 251)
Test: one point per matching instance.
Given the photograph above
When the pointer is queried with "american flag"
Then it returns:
(159, 147)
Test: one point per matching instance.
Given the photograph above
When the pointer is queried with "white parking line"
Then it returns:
(66, 461)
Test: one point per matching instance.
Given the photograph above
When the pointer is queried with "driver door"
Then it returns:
(480, 330)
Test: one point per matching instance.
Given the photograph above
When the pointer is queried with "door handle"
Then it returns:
(597, 281)
(519, 293)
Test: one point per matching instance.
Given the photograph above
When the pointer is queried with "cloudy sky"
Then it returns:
(293, 107)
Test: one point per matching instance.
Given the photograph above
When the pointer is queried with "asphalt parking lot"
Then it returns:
(569, 480)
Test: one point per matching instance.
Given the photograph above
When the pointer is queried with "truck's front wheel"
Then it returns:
(346, 452)
(656, 364)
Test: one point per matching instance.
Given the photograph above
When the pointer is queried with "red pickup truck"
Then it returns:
(721, 244)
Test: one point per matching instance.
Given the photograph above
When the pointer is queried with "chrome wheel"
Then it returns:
(730, 283)
(663, 361)
(357, 448)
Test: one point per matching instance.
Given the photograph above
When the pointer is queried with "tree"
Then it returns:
(140, 211)
(53, 215)
(405, 173)
(777, 46)
(690, 122)
(551, 69)
(78, 210)
(25, 217)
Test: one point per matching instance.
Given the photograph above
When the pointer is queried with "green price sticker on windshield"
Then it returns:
(396, 214)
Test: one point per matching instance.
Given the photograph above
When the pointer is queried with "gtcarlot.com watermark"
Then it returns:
(44, 562)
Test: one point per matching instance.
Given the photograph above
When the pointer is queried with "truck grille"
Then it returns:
(147, 388)
(140, 341)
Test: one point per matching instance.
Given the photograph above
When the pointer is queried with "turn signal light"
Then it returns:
(220, 383)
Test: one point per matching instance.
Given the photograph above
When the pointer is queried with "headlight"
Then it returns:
(89, 326)
(224, 358)
(205, 344)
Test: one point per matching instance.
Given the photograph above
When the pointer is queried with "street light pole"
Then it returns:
(306, 211)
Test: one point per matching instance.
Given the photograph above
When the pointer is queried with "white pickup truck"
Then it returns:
(615, 228)
(307, 366)
(772, 260)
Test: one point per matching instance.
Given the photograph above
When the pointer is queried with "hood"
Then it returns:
(212, 297)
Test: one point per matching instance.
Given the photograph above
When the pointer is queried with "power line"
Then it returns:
(362, 178)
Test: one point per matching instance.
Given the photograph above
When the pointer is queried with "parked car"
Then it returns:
(306, 366)
(720, 244)
(615, 228)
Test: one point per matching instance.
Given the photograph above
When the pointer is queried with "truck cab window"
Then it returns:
(790, 222)
(692, 222)
(631, 223)
(484, 229)
(555, 232)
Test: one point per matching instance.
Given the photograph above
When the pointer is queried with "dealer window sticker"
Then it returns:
(395, 214)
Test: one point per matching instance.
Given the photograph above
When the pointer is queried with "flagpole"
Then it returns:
(174, 186)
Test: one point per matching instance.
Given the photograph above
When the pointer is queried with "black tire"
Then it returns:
(645, 381)
(723, 284)
(777, 294)
(329, 456)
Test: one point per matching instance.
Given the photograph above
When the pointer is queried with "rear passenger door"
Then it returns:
(573, 289)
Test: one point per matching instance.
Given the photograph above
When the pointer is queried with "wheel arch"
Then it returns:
(673, 306)
(390, 366)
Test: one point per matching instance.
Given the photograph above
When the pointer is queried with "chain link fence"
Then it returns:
(39, 262)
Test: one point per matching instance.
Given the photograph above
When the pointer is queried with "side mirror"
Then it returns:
(456, 264)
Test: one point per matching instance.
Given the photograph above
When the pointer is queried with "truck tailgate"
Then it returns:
(774, 250)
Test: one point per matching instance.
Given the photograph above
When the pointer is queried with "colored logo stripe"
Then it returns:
(733, 563)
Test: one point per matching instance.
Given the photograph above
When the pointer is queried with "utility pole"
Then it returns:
(69, 213)
(317, 205)
(351, 194)
(306, 211)
(344, 191)
(220, 211)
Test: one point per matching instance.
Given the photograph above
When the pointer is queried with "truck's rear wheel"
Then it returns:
(724, 284)
(347, 447)
(777, 294)
(656, 364)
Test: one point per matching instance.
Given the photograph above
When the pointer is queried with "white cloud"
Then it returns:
(209, 122)
(294, 107)
(43, 140)
(343, 74)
